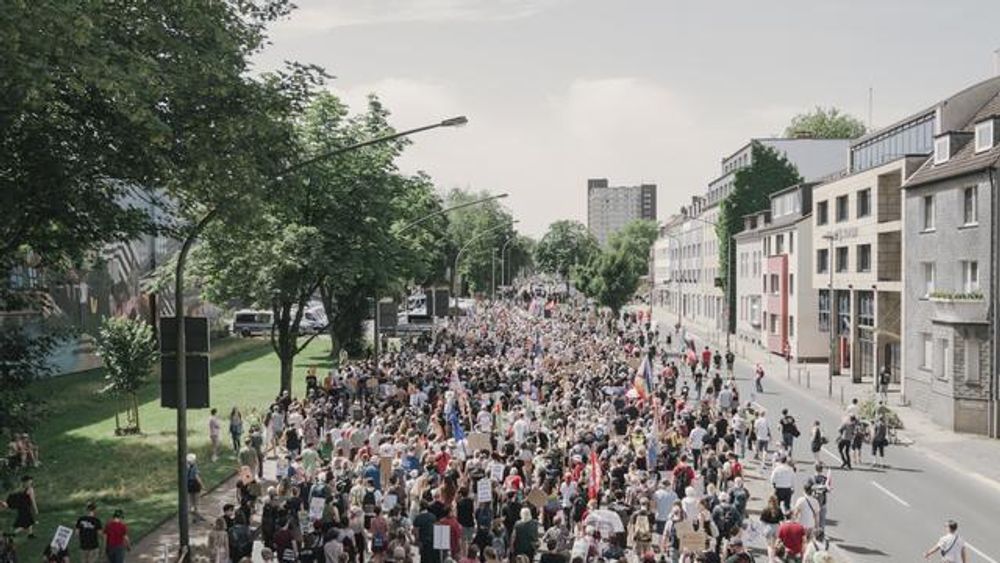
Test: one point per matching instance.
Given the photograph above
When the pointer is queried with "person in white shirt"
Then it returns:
(806, 510)
(783, 479)
(763, 432)
(520, 429)
(852, 409)
(951, 546)
(696, 441)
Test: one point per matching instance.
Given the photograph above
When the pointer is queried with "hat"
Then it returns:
(191, 458)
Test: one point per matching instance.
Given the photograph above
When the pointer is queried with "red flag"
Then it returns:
(594, 487)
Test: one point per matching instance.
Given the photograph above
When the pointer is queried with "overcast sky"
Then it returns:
(558, 91)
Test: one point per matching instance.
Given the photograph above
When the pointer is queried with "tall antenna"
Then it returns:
(871, 102)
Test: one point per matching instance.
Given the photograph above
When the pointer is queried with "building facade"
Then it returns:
(609, 208)
(749, 272)
(950, 242)
(701, 302)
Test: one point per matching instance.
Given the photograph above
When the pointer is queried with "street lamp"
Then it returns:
(503, 261)
(454, 270)
(182, 494)
(830, 238)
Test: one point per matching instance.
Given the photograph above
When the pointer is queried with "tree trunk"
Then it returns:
(329, 308)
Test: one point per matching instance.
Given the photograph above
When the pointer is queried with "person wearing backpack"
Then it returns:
(726, 517)
(378, 529)
(641, 528)
(240, 539)
(194, 486)
(738, 553)
(683, 476)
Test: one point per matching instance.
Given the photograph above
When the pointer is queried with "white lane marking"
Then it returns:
(892, 495)
(980, 553)
(835, 457)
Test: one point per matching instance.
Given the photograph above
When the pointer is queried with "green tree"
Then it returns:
(566, 244)
(612, 276)
(486, 228)
(769, 172)
(825, 123)
(128, 349)
(24, 356)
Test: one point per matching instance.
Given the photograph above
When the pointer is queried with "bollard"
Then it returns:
(808, 374)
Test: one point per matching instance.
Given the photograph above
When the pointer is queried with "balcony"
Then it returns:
(959, 308)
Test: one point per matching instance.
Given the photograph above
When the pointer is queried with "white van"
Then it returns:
(248, 322)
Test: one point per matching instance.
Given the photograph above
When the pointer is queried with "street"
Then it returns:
(891, 514)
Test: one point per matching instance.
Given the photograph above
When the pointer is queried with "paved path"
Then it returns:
(892, 514)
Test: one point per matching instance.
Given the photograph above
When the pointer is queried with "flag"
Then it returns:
(643, 382)
(456, 427)
(594, 486)
(651, 454)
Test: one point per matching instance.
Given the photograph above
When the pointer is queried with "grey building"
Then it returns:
(950, 248)
(609, 208)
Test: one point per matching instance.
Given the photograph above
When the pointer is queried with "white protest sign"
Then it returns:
(316, 506)
(496, 472)
(60, 540)
(389, 502)
(442, 537)
(484, 490)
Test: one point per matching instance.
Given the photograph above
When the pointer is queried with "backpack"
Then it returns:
(643, 533)
(240, 541)
(378, 540)
(193, 484)
(681, 482)
(730, 520)
(368, 502)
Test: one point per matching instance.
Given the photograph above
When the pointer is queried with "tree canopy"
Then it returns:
(612, 275)
(566, 244)
(769, 172)
(825, 123)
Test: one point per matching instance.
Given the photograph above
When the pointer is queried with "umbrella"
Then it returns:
(608, 522)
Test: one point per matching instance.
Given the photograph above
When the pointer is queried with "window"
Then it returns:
(822, 212)
(791, 284)
(864, 257)
(866, 308)
(942, 149)
(842, 255)
(930, 273)
(775, 286)
(773, 324)
(926, 351)
(822, 261)
(944, 359)
(791, 243)
(928, 212)
(864, 203)
(970, 205)
(984, 136)
(779, 244)
(842, 208)
(970, 276)
(972, 371)
(823, 306)
(791, 326)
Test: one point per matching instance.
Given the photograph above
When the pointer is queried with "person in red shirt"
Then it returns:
(793, 536)
(442, 460)
(116, 538)
(706, 357)
(683, 476)
(447, 519)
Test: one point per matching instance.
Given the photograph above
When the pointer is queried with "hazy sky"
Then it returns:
(558, 91)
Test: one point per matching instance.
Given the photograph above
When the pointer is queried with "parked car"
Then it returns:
(248, 322)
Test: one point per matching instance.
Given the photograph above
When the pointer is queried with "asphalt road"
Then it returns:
(879, 515)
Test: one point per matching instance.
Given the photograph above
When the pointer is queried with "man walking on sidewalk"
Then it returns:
(783, 480)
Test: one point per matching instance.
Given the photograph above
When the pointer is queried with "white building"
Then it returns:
(609, 208)
(749, 271)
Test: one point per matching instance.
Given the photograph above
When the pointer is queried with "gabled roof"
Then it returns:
(965, 160)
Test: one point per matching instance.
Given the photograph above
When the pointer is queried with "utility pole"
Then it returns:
(833, 336)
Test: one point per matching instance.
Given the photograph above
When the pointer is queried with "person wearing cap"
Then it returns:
(951, 546)
(738, 553)
(116, 540)
(88, 528)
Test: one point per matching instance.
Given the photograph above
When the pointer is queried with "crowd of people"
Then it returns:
(516, 433)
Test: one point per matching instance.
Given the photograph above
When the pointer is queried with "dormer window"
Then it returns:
(984, 136)
(942, 149)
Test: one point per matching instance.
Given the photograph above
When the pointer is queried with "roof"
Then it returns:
(965, 161)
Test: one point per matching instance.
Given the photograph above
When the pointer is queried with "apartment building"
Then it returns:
(749, 272)
(950, 248)
(701, 302)
(609, 208)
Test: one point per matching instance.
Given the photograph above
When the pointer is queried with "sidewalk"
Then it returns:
(974, 455)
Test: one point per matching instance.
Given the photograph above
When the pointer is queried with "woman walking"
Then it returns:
(236, 428)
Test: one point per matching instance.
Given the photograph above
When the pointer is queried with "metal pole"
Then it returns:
(493, 275)
(833, 335)
(729, 286)
(375, 343)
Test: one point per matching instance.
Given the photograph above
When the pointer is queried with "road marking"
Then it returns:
(835, 457)
(980, 553)
(893, 496)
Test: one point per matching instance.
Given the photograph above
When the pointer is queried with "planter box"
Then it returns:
(959, 311)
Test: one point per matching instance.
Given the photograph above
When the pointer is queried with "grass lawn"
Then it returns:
(83, 460)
